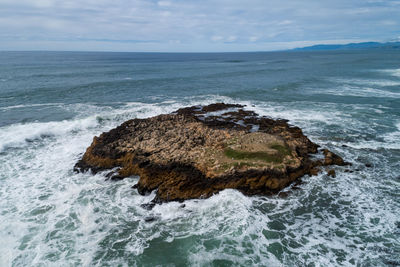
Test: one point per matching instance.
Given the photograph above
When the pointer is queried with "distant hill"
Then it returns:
(365, 45)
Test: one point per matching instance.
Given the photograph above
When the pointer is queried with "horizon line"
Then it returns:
(295, 49)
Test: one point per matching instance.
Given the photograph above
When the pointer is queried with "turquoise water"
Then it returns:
(53, 103)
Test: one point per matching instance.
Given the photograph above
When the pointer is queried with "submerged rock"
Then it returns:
(198, 151)
(332, 173)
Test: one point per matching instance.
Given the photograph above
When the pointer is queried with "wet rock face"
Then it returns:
(198, 151)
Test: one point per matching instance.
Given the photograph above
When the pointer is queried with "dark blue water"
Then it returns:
(53, 103)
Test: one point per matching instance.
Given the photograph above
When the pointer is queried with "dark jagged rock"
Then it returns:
(198, 151)
(148, 206)
(332, 173)
(149, 219)
(333, 159)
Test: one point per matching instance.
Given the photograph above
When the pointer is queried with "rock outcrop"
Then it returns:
(198, 151)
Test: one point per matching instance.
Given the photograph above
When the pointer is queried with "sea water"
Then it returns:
(53, 103)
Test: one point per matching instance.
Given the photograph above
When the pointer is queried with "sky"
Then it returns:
(193, 25)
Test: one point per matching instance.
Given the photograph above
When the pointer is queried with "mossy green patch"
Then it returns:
(245, 155)
(281, 152)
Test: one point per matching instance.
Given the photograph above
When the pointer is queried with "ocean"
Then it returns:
(52, 104)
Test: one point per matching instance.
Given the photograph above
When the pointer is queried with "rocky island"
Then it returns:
(198, 151)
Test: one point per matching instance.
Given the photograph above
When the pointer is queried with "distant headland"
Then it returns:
(351, 46)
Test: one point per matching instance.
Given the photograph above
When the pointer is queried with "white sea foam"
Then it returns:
(392, 72)
(17, 135)
(390, 141)
(220, 112)
(307, 115)
(367, 82)
(363, 91)
(30, 105)
(51, 216)
(351, 89)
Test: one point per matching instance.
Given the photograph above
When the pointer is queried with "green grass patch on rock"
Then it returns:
(281, 152)
(244, 155)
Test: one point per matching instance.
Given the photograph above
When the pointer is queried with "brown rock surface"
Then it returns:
(198, 151)
(332, 173)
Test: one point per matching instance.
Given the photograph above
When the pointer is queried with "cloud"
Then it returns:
(191, 25)
(253, 38)
(163, 3)
(217, 38)
(231, 38)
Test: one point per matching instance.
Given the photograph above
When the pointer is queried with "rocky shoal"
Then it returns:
(198, 151)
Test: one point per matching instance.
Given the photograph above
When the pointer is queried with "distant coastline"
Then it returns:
(350, 46)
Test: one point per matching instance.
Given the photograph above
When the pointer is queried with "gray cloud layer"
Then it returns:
(192, 25)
